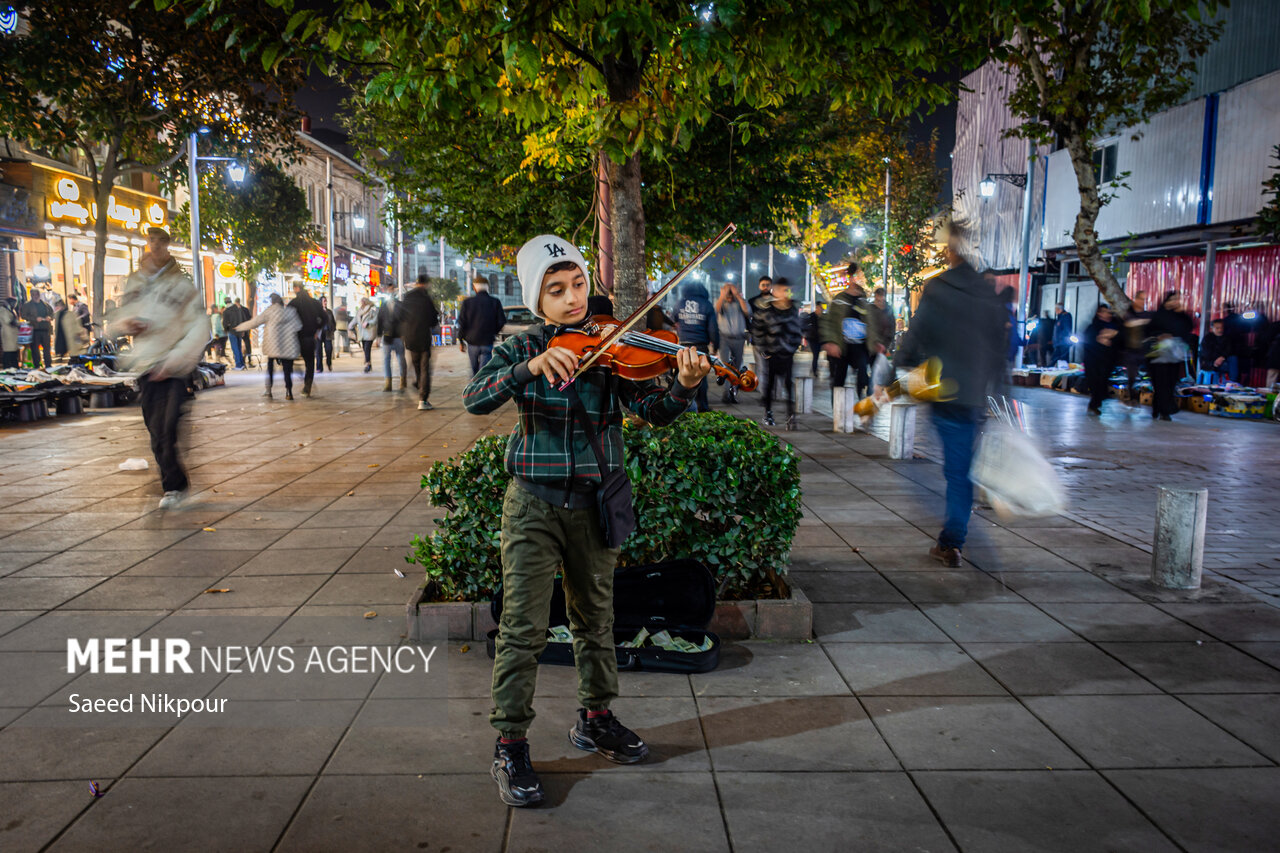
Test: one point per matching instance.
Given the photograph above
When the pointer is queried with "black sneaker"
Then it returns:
(518, 785)
(768, 418)
(608, 737)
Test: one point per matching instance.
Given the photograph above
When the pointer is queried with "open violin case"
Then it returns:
(677, 596)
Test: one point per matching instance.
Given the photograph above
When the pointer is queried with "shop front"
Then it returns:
(47, 219)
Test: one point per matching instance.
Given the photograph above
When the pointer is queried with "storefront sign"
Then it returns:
(67, 199)
(317, 266)
(340, 272)
(226, 269)
(359, 267)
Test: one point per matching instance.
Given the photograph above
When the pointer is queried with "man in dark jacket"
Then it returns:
(1064, 328)
(776, 330)
(387, 325)
(313, 320)
(961, 322)
(479, 322)
(233, 315)
(418, 320)
(38, 313)
(1217, 353)
(697, 326)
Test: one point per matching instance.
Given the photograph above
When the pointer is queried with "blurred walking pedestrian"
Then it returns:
(961, 322)
(324, 341)
(366, 323)
(843, 328)
(418, 322)
(342, 324)
(9, 332)
(1137, 342)
(217, 335)
(1171, 327)
(233, 315)
(1101, 342)
(387, 327)
(279, 343)
(776, 335)
(37, 312)
(1064, 328)
(161, 310)
(313, 319)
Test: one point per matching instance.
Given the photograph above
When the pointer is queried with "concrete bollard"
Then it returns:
(842, 417)
(902, 430)
(1178, 557)
(802, 388)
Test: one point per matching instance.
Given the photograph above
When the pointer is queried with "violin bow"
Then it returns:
(625, 325)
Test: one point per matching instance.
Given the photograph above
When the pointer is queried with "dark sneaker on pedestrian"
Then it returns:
(518, 785)
(949, 557)
(768, 418)
(607, 736)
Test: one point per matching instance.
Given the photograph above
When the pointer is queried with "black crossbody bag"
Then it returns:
(613, 498)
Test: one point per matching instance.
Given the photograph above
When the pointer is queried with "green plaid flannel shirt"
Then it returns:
(547, 446)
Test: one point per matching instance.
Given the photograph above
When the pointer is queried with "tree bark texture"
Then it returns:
(1085, 233)
(604, 230)
(626, 209)
(102, 197)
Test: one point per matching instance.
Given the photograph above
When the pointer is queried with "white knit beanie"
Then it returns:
(535, 257)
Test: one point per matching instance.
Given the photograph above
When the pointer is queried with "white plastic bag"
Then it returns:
(133, 464)
(881, 371)
(1019, 481)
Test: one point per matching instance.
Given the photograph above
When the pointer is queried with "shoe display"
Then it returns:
(949, 557)
(172, 500)
(518, 784)
(424, 406)
(605, 735)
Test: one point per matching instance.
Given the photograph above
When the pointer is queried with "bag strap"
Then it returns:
(580, 413)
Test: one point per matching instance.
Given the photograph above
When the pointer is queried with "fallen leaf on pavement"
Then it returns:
(210, 530)
(351, 494)
(374, 465)
(212, 591)
(370, 614)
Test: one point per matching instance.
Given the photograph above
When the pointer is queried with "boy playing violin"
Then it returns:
(549, 516)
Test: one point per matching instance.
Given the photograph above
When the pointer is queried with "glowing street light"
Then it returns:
(236, 172)
(987, 188)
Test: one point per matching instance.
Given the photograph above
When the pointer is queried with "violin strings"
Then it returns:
(658, 345)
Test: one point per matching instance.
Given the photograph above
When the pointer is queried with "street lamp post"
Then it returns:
(885, 239)
(236, 172)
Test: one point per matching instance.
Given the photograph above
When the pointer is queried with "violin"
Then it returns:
(639, 355)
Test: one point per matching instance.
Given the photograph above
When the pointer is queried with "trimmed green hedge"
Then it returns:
(711, 487)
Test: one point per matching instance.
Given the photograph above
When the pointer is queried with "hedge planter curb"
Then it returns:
(756, 619)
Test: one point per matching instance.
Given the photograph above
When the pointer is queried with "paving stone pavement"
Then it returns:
(1042, 697)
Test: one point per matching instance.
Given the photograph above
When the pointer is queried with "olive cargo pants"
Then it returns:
(539, 538)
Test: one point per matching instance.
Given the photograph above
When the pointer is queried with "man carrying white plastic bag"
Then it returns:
(964, 324)
(1018, 481)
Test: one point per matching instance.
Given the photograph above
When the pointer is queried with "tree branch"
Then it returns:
(578, 52)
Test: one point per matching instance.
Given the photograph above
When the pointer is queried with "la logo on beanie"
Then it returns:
(555, 251)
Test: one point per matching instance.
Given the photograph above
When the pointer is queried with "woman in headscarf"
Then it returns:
(278, 341)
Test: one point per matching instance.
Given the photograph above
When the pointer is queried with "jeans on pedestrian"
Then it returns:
(958, 429)
(538, 540)
(390, 345)
(779, 368)
(286, 370)
(236, 353)
(163, 402)
(324, 353)
(478, 356)
(40, 343)
(307, 344)
(367, 346)
(421, 372)
(1061, 352)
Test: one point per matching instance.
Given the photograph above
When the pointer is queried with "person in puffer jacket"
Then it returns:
(697, 326)
(777, 332)
(279, 343)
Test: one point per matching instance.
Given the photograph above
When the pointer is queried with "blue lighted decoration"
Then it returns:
(8, 20)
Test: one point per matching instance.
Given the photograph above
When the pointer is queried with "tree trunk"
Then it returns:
(626, 209)
(102, 197)
(604, 231)
(1085, 235)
